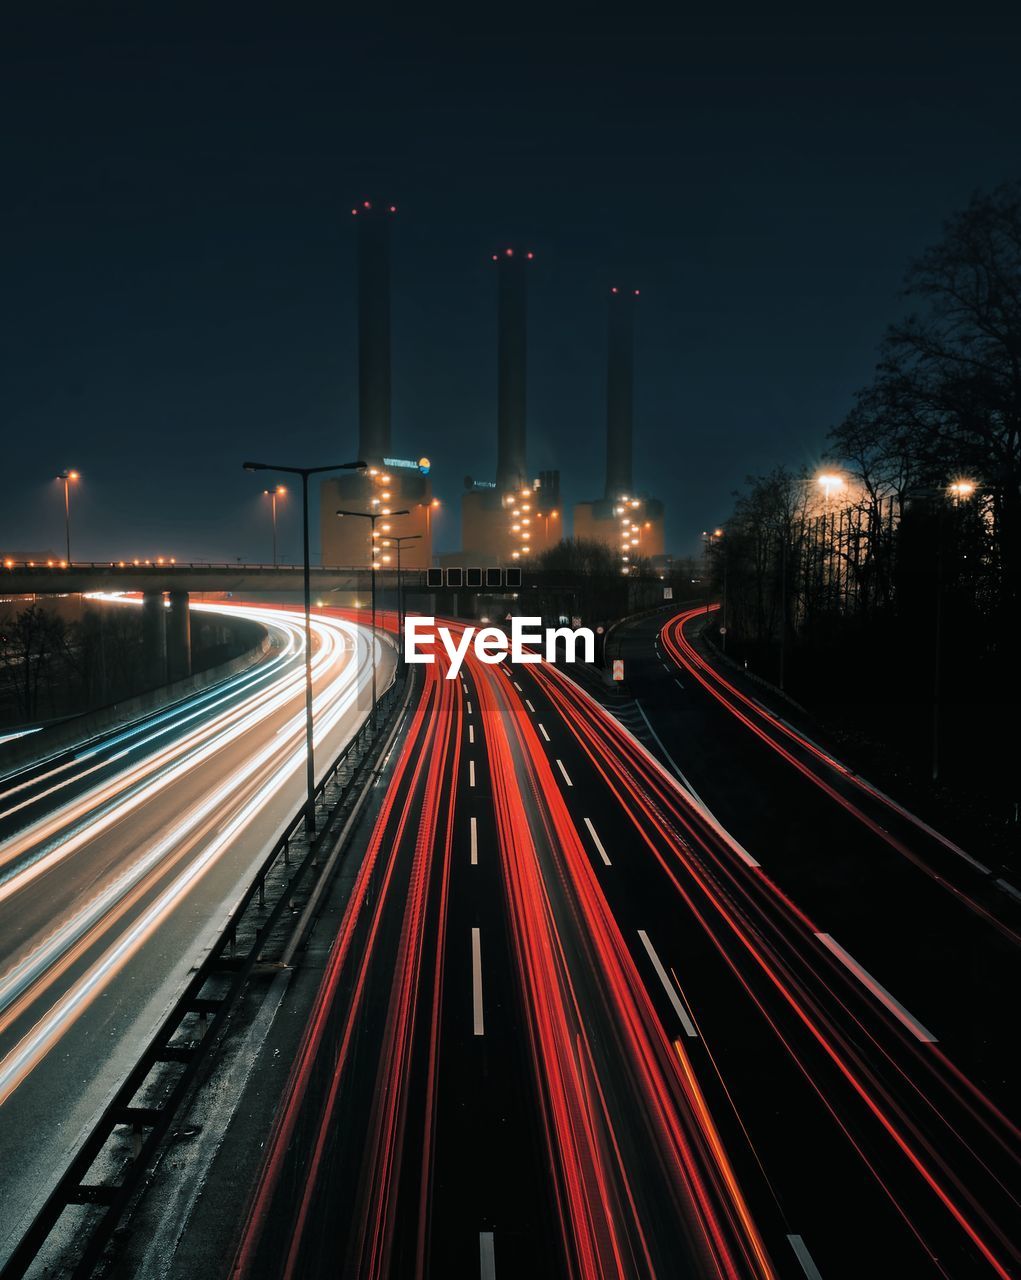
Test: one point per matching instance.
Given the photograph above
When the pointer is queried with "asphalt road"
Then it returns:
(583, 1018)
(119, 863)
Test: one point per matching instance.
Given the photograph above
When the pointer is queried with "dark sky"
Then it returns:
(178, 252)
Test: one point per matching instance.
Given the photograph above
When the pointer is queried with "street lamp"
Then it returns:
(830, 483)
(372, 517)
(959, 491)
(407, 537)
(305, 472)
(273, 494)
(67, 477)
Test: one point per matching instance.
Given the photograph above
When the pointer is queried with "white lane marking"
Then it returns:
(471, 773)
(877, 989)
(678, 683)
(1007, 887)
(471, 733)
(487, 1256)
(475, 842)
(567, 778)
(518, 687)
(663, 665)
(542, 730)
(480, 1029)
(673, 763)
(668, 986)
(596, 841)
(528, 704)
(469, 708)
(805, 1258)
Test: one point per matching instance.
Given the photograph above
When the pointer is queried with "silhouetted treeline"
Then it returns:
(595, 587)
(890, 584)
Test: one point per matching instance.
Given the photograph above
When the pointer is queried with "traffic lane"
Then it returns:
(101, 1043)
(946, 963)
(791, 1086)
(127, 758)
(98, 846)
(967, 877)
(796, 936)
(669, 1202)
(31, 793)
(490, 1183)
(777, 1128)
(332, 1154)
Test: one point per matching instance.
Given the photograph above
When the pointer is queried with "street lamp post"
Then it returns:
(66, 477)
(273, 494)
(407, 537)
(372, 517)
(305, 472)
(958, 491)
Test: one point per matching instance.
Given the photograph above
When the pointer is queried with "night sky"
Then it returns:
(178, 287)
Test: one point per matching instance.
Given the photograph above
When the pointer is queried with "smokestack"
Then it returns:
(373, 330)
(620, 384)
(512, 334)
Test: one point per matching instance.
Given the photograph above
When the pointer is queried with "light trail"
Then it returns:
(642, 1176)
(754, 716)
(773, 932)
(236, 753)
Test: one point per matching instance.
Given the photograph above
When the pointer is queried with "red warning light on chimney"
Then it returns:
(529, 255)
(509, 253)
(393, 208)
(613, 289)
(366, 205)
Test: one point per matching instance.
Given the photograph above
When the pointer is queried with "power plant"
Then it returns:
(389, 483)
(515, 516)
(629, 523)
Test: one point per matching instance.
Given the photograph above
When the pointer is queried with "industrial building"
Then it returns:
(389, 483)
(629, 522)
(516, 515)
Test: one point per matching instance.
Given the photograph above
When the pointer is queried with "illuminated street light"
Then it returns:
(961, 488)
(372, 517)
(305, 472)
(829, 482)
(273, 494)
(400, 541)
(68, 478)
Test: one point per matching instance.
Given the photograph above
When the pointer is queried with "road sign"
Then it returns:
(723, 631)
(618, 669)
(668, 593)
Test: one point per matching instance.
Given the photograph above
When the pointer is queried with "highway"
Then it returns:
(589, 1013)
(120, 860)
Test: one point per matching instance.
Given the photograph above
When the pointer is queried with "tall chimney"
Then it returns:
(373, 330)
(512, 335)
(620, 385)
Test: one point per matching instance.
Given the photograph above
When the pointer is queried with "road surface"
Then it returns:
(576, 1022)
(119, 864)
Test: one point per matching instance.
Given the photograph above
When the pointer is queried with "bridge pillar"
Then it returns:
(178, 637)
(154, 638)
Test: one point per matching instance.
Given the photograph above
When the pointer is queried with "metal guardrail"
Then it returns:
(107, 1172)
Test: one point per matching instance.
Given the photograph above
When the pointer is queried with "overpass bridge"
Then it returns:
(166, 587)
